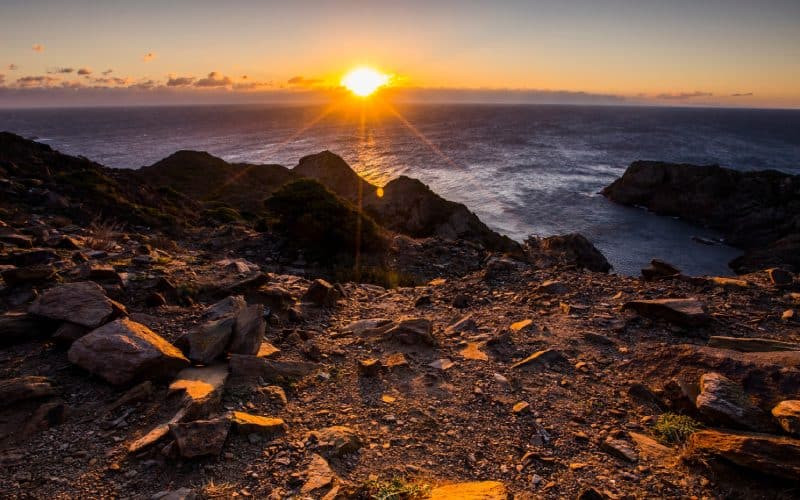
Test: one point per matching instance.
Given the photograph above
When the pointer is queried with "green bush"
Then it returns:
(673, 428)
(396, 489)
(222, 214)
(325, 227)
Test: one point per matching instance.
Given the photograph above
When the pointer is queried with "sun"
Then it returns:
(364, 81)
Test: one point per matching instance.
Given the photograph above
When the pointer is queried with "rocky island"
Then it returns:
(202, 329)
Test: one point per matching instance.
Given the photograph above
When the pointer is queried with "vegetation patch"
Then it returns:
(673, 428)
(396, 489)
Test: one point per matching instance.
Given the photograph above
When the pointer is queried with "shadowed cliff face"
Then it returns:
(757, 211)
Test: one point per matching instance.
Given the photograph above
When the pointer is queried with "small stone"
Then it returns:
(540, 359)
(619, 449)
(521, 407)
(201, 437)
(369, 367)
(521, 325)
(442, 364)
(245, 423)
(336, 441)
(787, 413)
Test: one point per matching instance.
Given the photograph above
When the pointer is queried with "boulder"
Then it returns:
(200, 437)
(321, 293)
(124, 351)
(84, 303)
(18, 240)
(14, 390)
(248, 331)
(70, 332)
(227, 307)
(683, 312)
(477, 490)
(210, 340)
(16, 328)
(780, 277)
(411, 331)
(761, 453)
(787, 413)
(659, 269)
(246, 423)
(335, 441)
(722, 401)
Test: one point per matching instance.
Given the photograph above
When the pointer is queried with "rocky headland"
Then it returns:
(201, 329)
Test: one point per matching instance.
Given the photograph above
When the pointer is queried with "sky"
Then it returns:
(675, 52)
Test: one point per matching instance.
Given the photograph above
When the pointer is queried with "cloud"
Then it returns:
(13, 67)
(301, 81)
(107, 72)
(253, 85)
(107, 81)
(85, 71)
(214, 80)
(744, 94)
(36, 81)
(180, 81)
(60, 70)
(684, 95)
(72, 85)
(2, 78)
(37, 47)
(149, 56)
(144, 85)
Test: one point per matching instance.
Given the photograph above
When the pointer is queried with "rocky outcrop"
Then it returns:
(773, 455)
(572, 250)
(409, 207)
(757, 211)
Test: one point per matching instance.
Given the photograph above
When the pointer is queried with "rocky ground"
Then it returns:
(205, 365)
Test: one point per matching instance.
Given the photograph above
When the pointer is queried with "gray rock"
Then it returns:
(84, 303)
(248, 331)
(124, 351)
(722, 400)
(229, 306)
(683, 312)
(335, 441)
(210, 340)
(201, 437)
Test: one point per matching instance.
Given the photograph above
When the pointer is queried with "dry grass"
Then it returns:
(217, 490)
(103, 235)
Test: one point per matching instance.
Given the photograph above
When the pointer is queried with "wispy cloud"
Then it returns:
(301, 81)
(214, 80)
(36, 81)
(85, 71)
(180, 81)
(109, 81)
(252, 85)
(60, 71)
(12, 67)
(2, 78)
(742, 94)
(684, 95)
(107, 72)
(149, 56)
(37, 47)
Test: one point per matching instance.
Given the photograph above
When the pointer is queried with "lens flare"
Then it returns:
(364, 81)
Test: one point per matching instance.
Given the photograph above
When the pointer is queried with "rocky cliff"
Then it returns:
(756, 211)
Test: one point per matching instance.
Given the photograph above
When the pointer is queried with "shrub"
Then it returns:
(325, 227)
(222, 214)
(673, 428)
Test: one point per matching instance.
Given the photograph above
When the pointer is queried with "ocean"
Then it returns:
(523, 169)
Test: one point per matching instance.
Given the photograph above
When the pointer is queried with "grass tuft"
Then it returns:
(672, 428)
(396, 489)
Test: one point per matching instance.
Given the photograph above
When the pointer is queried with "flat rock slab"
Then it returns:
(477, 490)
(124, 351)
(200, 437)
(248, 330)
(319, 475)
(243, 365)
(267, 350)
(14, 390)
(723, 401)
(473, 351)
(201, 387)
(751, 344)
(620, 449)
(210, 340)
(683, 312)
(763, 453)
(367, 327)
(246, 423)
(84, 303)
(650, 448)
(540, 359)
(787, 413)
